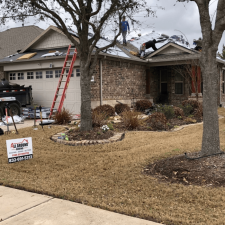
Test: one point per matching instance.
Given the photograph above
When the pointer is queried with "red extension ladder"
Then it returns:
(65, 66)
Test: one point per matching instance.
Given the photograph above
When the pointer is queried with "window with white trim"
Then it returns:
(12, 76)
(20, 76)
(30, 75)
(39, 75)
(77, 72)
(49, 74)
(67, 71)
(179, 84)
(57, 73)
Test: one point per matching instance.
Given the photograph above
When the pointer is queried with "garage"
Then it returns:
(44, 83)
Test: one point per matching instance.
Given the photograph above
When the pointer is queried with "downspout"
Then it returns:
(100, 67)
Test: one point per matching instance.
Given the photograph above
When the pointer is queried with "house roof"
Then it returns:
(41, 35)
(15, 39)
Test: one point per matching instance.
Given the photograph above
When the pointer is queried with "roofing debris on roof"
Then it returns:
(57, 53)
(27, 56)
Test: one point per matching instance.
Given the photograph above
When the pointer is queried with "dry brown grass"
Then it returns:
(110, 176)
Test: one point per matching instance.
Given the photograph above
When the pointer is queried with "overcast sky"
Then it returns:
(183, 17)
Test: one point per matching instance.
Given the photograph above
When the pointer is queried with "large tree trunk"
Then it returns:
(211, 139)
(85, 84)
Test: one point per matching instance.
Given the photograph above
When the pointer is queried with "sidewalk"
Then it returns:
(22, 208)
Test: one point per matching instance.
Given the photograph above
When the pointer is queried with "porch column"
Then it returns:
(193, 80)
(199, 79)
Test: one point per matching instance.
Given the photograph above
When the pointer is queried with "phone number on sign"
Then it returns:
(20, 158)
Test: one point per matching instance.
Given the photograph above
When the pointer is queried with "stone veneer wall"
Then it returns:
(120, 81)
(2, 74)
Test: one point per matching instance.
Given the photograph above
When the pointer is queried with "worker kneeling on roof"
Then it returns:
(147, 45)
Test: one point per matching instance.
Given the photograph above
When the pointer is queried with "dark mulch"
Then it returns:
(95, 134)
(208, 171)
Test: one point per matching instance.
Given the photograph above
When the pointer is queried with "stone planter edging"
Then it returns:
(116, 137)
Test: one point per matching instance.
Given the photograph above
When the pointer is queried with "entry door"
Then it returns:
(163, 88)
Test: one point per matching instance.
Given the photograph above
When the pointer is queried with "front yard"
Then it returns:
(112, 177)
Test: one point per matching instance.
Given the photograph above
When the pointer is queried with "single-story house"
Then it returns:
(119, 75)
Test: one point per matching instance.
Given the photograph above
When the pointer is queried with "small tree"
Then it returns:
(190, 73)
(87, 16)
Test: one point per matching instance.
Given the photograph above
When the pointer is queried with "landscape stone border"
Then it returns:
(116, 137)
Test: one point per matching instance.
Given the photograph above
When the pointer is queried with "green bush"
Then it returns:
(110, 126)
(187, 109)
(167, 110)
(142, 105)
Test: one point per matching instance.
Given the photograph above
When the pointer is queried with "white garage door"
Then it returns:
(44, 84)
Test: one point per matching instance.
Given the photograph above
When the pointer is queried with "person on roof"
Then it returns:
(124, 26)
(147, 45)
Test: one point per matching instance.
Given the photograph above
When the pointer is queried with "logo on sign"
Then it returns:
(20, 145)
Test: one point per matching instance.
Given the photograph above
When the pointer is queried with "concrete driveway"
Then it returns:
(26, 123)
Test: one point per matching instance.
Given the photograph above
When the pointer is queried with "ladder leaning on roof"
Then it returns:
(68, 76)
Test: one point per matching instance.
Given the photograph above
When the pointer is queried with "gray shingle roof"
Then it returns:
(15, 39)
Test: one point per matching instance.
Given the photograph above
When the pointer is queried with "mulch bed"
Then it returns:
(95, 134)
(207, 171)
(145, 127)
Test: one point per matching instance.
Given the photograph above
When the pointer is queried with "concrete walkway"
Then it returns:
(22, 208)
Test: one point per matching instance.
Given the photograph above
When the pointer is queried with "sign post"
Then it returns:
(19, 149)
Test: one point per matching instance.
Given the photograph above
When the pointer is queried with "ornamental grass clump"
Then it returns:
(107, 109)
(120, 108)
(130, 119)
(63, 117)
(157, 121)
(98, 119)
(142, 105)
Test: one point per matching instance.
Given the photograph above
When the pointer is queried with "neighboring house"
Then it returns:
(119, 76)
(15, 39)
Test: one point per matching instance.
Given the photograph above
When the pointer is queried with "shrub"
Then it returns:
(157, 121)
(98, 119)
(110, 125)
(199, 112)
(167, 110)
(178, 112)
(63, 117)
(119, 108)
(130, 119)
(142, 105)
(187, 109)
(107, 109)
(194, 103)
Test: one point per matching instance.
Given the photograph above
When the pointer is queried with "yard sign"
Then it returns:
(19, 149)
